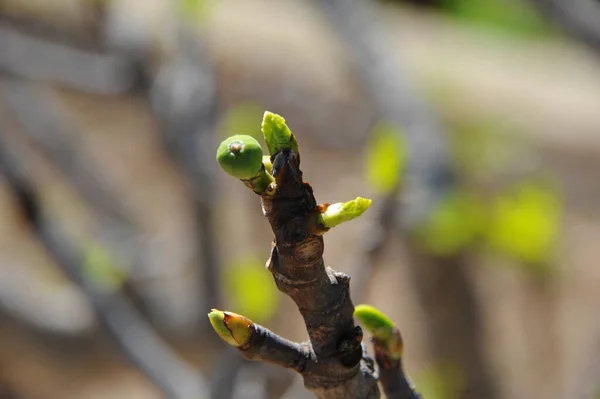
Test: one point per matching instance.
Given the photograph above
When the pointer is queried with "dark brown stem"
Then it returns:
(266, 346)
(391, 375)
(321, 294)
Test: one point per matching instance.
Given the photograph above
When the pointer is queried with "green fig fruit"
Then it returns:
(241, 156)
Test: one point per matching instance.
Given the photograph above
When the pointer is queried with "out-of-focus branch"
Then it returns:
(45, 124)
(379, 234)
(43, 120)
(397, 102)
(442, 284)
(86, 69)
(184, 99)
(580, 18)
(138, 341)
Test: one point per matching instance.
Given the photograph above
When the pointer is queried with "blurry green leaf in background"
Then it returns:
(484, 147)
(98, 267)
(243, 118)
(456, 223)
(385, 159)
(525, 223)
(250, 288)
(509, 16)
(440, 381)
(195, 11)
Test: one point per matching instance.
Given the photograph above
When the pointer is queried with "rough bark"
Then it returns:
(338, 367)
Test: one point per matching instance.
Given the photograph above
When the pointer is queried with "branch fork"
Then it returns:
(333, 362)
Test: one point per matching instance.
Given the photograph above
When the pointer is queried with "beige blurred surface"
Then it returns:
(549, 92)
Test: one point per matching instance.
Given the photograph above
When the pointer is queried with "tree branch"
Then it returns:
(398, 102)
(580, 18)
(140, 344)
(322, 295)
(82, 69)
(266, 346)
(183, 97)
(391, 375)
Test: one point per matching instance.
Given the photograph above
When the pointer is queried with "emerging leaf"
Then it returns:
(277, 134)
(381, 328)
(374, 320)
(341, 212)
(232, 328)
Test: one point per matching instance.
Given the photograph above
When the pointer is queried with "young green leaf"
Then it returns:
(232, 328)
(381, 328)
(386, 157)
(341, 212)
(374, 320)
(277, 134)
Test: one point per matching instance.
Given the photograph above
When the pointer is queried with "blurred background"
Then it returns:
(473, 124)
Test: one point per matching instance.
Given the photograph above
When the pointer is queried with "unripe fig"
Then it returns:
(240, 156)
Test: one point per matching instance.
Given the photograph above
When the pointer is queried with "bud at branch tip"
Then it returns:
(232, 328)
(277, 134)
(341, 212)
(381, 328)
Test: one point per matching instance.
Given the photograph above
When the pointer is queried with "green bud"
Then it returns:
(343, 212)
(232, 328)
(381, 328)
(240, 156)
(277, 134)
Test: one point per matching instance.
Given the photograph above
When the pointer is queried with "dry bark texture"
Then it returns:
(337, 367)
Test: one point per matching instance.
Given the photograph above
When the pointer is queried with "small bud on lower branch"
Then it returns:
(388, 346)
(382, 328)
(233, 328)
(341, 212)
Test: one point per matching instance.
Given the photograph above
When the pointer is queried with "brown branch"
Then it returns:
(321, 294)
(442, 284)
(266, 346)
(391, 375)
